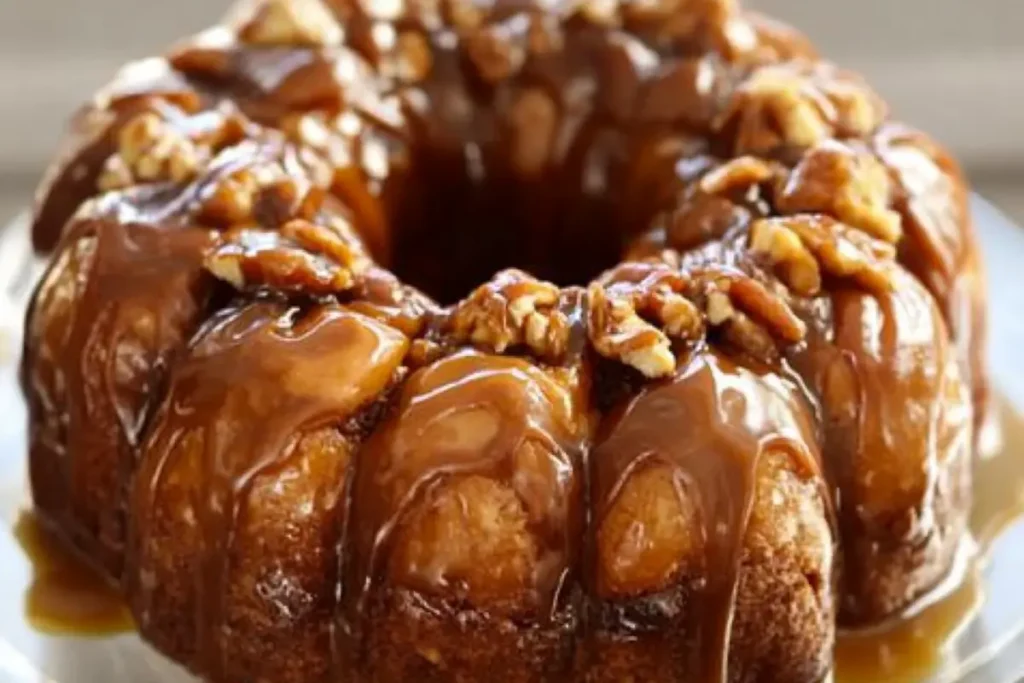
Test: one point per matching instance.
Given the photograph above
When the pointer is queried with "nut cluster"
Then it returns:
(514, 309)
(802, 249)
(262, 192)
(749, 316)
(318, 259)
(151, 148)
(834, 217)
(798, 104)
(636, 310)
(848, 183)
(292, 22)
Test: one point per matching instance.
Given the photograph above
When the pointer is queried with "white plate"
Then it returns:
(989, 649)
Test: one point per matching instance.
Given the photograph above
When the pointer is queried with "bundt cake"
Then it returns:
(468, 341)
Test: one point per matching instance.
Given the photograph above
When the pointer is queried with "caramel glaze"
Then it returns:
(584, 139)
(67, 595)
(902, 485)
(109, 314)
(238, 410)
(708, 427)
(124, 296)
(71, 177)
(469, 417)
(939, 245)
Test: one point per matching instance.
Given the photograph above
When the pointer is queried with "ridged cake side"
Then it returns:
(757, 425)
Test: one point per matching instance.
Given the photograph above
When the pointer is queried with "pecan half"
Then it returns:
(747, 316)
(850, 184)
(798, 104)
(804, 248)
(514, 309)
(166, 145)
(292, 22)
(303, 258)
(635, 310)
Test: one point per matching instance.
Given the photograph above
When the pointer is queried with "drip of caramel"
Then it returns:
(709, 426)
(67, 596)
(551, 160)
(236, 409)
(470, 415)
(913, 647)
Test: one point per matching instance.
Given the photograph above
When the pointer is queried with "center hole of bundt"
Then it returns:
(462, 230)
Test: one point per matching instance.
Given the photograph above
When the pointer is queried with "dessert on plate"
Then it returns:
(466, 341)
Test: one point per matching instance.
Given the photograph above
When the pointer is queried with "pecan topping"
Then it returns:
(850, 184)
(634, 310)
(263, 193)
(292, 22)
(302, 257)
(738, 174)
(803, 248)
(637, 309)
(514, 309)
(749, 316)
(152, 149)
(798, 104)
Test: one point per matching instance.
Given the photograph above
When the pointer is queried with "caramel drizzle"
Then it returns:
(467, 414)
(252, 387)
(876, 356)
(611, 142)
(709, 424)
(89, 389)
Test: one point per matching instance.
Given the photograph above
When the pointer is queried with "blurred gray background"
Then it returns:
(952, 67)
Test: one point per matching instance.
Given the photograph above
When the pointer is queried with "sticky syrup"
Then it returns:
(66, 596)
(914, 647)
(69, 597)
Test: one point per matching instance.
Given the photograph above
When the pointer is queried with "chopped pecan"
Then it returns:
(514, 309)
(423, 352)
(798, 104)
(415, 59)
(635, 310)
(262, 192)
(618, 332)
(292, 22)
(749, 315)
(462, 15)
(850, 184)
(802, 248)
(300, 258)
(151, 150)
(599, 12)
(167, 145)
(738, 174)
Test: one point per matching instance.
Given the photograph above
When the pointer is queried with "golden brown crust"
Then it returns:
(392, 505)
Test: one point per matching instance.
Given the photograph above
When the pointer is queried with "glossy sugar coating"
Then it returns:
(726, 399)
